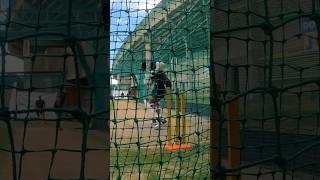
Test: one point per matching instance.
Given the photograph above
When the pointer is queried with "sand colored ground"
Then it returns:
(130, 124)
(66, 165)
(40, 136)
(126, 132)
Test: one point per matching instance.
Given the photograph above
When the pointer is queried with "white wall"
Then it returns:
(117, 93)
(20, 101)
(13, 64)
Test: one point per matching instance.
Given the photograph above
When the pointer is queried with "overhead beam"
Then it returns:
(149, 22)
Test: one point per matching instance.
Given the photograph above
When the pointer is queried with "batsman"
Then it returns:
(158, 80)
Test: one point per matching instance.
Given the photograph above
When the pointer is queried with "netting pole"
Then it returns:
(177, 109)
(102, 87)
(234, 137)
(214, 93)
(183, 115)
(169, 134)
(234, 126)
(148, 55)
(148, 51)
(106, 23)
(214, 125)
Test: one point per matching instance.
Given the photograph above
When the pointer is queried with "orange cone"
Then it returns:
(177, 147)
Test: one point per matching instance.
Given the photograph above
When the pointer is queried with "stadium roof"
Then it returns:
(168, 27)
(157, 14)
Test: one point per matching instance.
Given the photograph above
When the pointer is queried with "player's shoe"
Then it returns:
(146, 104)
(160, 126)
(154, 125)
(162, 123)
(154, 122)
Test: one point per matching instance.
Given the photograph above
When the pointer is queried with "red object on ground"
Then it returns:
(177, 147)
(131, 91)
(71, 96)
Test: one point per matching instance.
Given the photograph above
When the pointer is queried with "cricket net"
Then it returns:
(263, 63)
(265, 72)
(53, 90)
(174, 33)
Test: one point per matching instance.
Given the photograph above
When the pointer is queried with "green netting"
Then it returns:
(265, 89)
(176, 33)
(265, 57)
(262, 59)
(57, 50)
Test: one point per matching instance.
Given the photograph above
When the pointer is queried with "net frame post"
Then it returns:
(177, 110)
(148, 56)
(234, 138)
(183, 116)
(101, 87)
(169, 103)
(148, 52)
(214, 127)
(233, 123)
(106, 26)
(215, 90)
